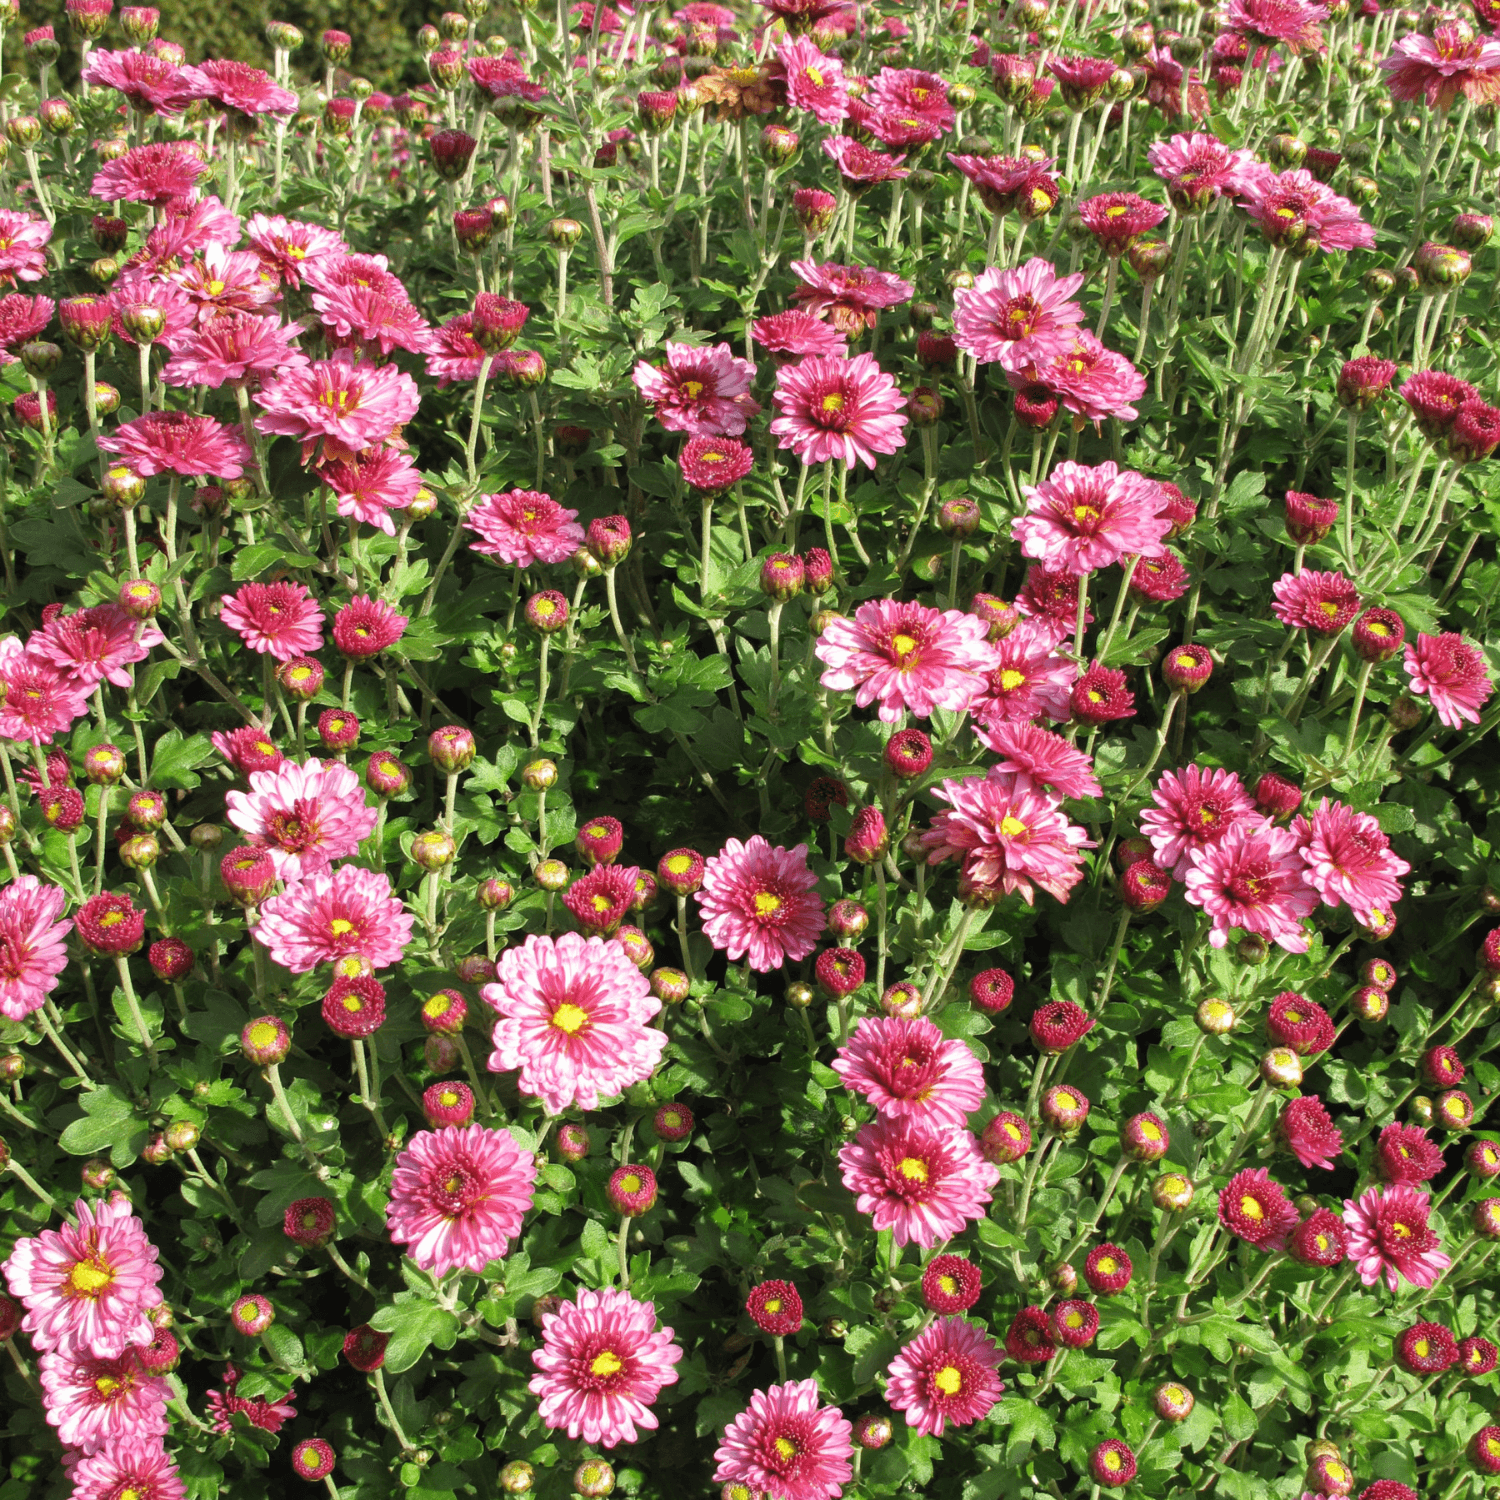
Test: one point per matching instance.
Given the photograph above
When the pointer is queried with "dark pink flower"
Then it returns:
(179, 442)
(703, 390)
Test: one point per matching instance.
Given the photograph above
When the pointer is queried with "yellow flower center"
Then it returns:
(949, 1285)
(262, 1034)
(913, 1168)
(948, 1380)
(1294, 1016)
(1108, 1265)
(680, 864)
(602, 903)
(1400, 1230)
(1252, 1209)
(1150, 1130)
(216, 289)
(1065, 1100)
(606, 1362)
(1010, 679)
(692, 389)
(773, 1304)
(785, 1448)
(1113, 1462)
(107, 1386)
(570, 1018)
(341, 926)
(833, 401)
(1422, 1348)
(1011, 827)
(816, 77)
(766, 905)
(90, 1277)
(1074, 1319)
(1185, 661)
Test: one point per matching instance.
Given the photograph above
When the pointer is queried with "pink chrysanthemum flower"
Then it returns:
(603, 1361)
(906, 92)
(94, 645)
(1321, 602)
(1350, 860)
(187, 227)
(859, 166)
(795, 334)
(458, 1197)
(455, 355)
(787, 1445)
(923, 1183)
(369, 486)
(39, 701)
(1093, 382)
(1404, 1154)
(763, 901)
(1254, 1208)
(1309, 1134)
(849, 297)
(1010, 835)
(814, 82)
(330, 913)
(244, 89)
(1198, 168)
(179, 442)
(1085, 517)
(1193, 809)
(713, 465)
(1047, 758)
(149, 174)
(128, 1467)
(1452, 674)
(304, 815)
(94, 1402)
(1294, 23)
(1029, 680)
(1296, 202)
(23, 247)
(906, 656)
(1115, 219)
(1389, 1236)
(221, 281)
(1252, 879)
(349, 269)
(364, 317)
(847, 409)
(90, 1285)
(703, 390)
(366, 626)
(23, 319)
(524, 527)
(1018, 318)
(233, 349)
(350, 405)
(32, 955)
(945, 1376)
(151, 84)
(138, 289)
(290, 247)
(1452, 61)
(908, 1069)
(282, 618)
(573, 1014)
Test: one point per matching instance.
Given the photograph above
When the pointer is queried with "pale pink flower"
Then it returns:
(221, 281)
(603, 1361)
(459, 1196)
(128, 1467)
(1389, 1236)
(1093, 382)
(330, 913)
(179, 442)
(1200, 167)
(1028, 680)
(1193, 809)
(1009, 834)
(350, 405)
(1293, 23)
(908, 1068)
(787, 1446)
(849, 297)
(573, 1019)
(90, 1285)
(149, 174)
(761, 900)
(151, 84)
(94, 1402)
(814, 82)
(290, 247)
(1252, 879)
(94, 645)
(304, 815)
(906, 656)
(524, 527)
(1440, 67)
(1018, 318)
(39, 701)
(703, 390)
(847, 409)
(381, 323)
(924, 1184)
(794, 334)
(282, 618)
(1047, 758)
(369, 486)
(1452, 673)
(945, 1376)
(23, 247)
(1349, 859)
(1084, 517)
(32, 955)
(235, 348)
(244, 89)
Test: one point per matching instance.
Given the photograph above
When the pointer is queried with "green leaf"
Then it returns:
(1030, 1427)
(174, 759)
(105, 1113)
(414, 1326)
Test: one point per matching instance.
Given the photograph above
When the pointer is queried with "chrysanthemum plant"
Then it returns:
(751, 751)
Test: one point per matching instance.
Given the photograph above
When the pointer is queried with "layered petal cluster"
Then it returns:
(909, 1069)
(761, 900)
(304, 815)
(1085, 517)
(32, 951)
(329, 914)
(1389, 1237)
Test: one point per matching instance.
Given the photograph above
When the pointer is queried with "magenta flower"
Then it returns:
(1323, 603)
(330, 913)
(1404, 1154)
(603, 1361)
(23, 247)
(1116, 219)
(369, 486)
(524, 527)
(851, 298)
(459, 1196)
(859, 166)
(1082, 518)
(234, 348)
(289, 247)
(814, 82)
(454, 354)
(128, 1466)
(24, 318)
(88, 1286)
(1018, 318)
(1093, 382)
(1010, 835)
(1252, 879)
(1198, 168)
(908, 1070)
(787, 1445)
(364, 316)
(223, 281)
(712, 465)
(1452, 61)
(32, 955)
(150, 84)
(149, 174)
(1029, 680)
(847, 409)
(1350, 860)
(912, 96)
(138, 289)
(1451, 673)
(304, 815)
(94, 645)
(366, 626)
(763, 901)
(924, 1183)
(39, 701)
(573, 1020)
(1389, 1236)
(794, 334)
(1297, 203)
(1294, 23)
(1046, 758)
(280, 618)
(245, 89)
(905, 656)
(1193, 810)
(703, 390)
(346, 403)
(945, 1376)
(94, 1403)
(1309, 1134)
(179, 442)
(1254, 1208)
